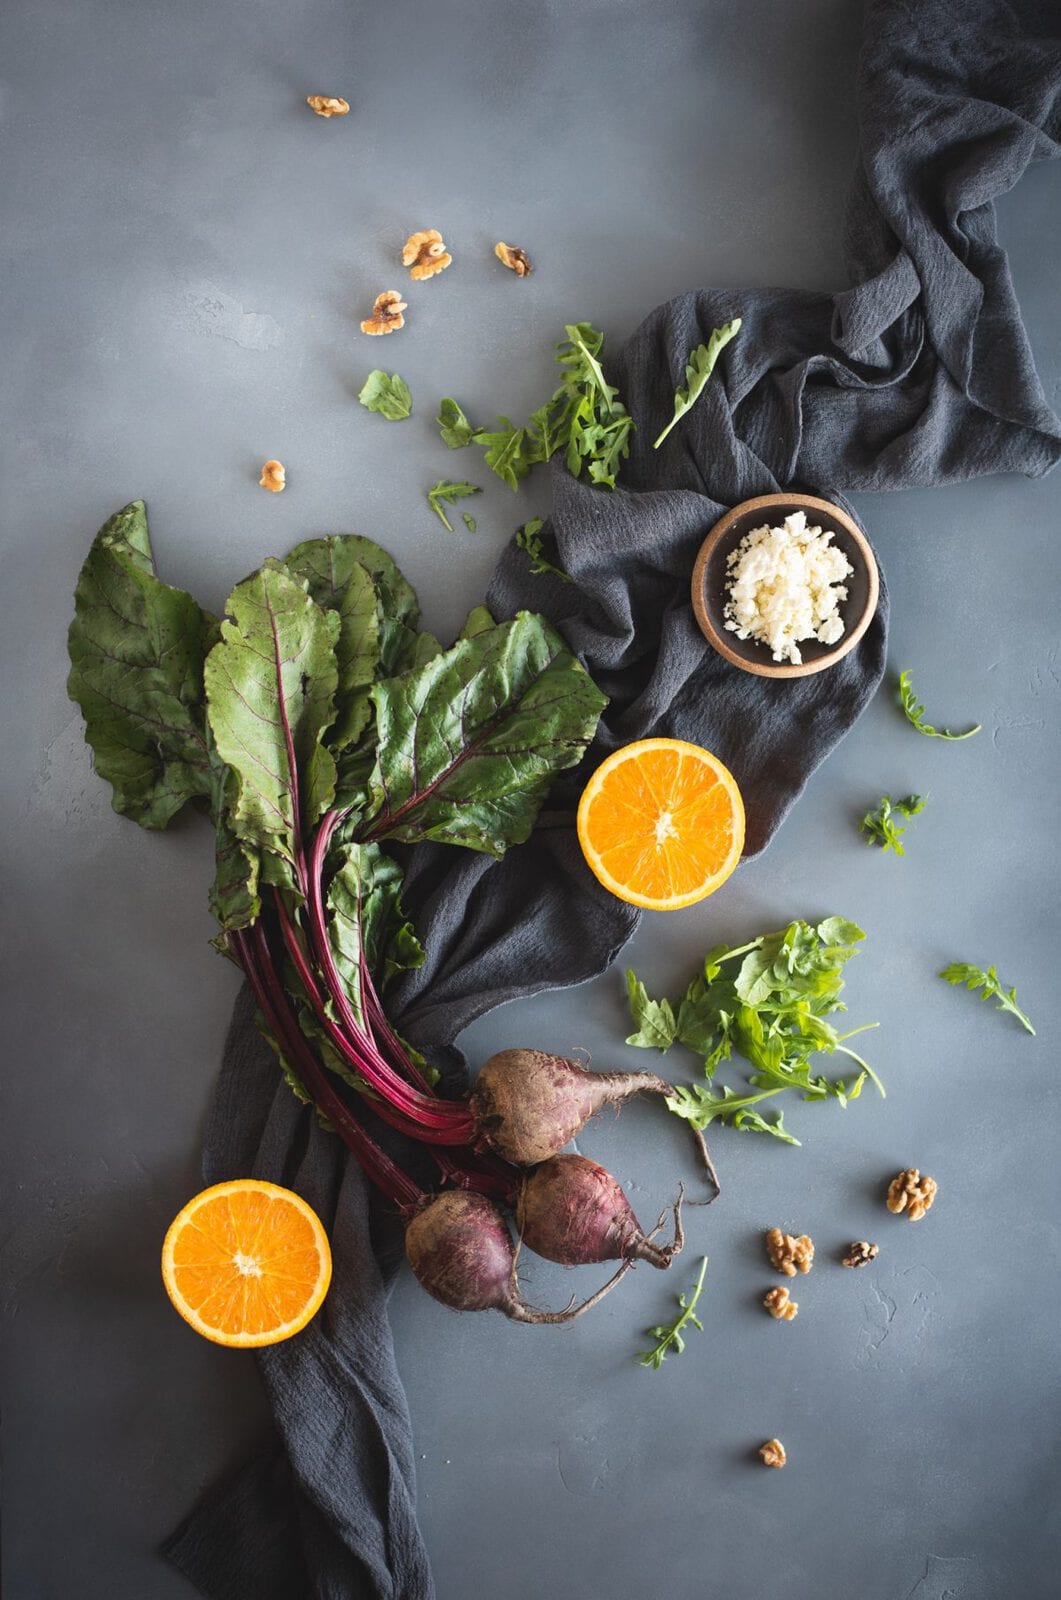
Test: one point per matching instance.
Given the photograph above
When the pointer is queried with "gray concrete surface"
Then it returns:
(186, 253)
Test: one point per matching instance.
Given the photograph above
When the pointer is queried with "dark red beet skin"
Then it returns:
(461, 1251)
(528, 1105)
(573, 1211)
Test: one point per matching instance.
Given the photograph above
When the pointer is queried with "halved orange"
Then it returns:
(661, 823)
(246, 1263)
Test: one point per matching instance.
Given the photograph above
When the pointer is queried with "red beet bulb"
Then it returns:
(573, 1211)
(461, 1251)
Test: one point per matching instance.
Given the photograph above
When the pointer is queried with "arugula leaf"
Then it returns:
(453, 425)
(698, 1104)
(882, 828)
(270, 689)
(469, 521)
(670, 1337)
(976, 978)
(770, 1009)
(915, 713)
(446, 493)
(699, 368)
(600, 425)
(548, 427)
(655, 1018)
(528, 539)
(505, 453)
(389, 396)
(469, 743)
(137, 649)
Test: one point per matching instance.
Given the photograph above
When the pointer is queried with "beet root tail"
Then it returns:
(662, 1255)
(517, 1308)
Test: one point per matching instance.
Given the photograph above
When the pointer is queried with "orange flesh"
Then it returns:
(246, 1263)
(662, 820)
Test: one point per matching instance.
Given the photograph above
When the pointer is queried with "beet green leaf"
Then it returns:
(136, 650)
(270, 685)
(339, 582)
(469, 744)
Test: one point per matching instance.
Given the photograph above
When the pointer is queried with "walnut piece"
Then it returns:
(773, 1453)
(425, 253)
(273, 477)
(511, 256)
(912, 1193)
(780, 1307)
(386, 313)
(327, 105)
(859, 1252)
(789, 1255)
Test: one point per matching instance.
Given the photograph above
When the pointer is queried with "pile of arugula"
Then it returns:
(770, 1009)
(584, 418)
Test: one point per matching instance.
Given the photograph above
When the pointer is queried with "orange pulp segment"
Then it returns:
(246, 1263)
(661, 823)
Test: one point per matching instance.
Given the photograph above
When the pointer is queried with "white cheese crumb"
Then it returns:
(785, 586)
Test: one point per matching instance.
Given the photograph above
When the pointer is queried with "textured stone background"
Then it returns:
(186, 253)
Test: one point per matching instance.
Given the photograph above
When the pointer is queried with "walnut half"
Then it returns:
(511, 256)
(773, 1453)
(912, 1193)
(273, 477)
(327, 105)
(860, 1252)
(788, 1254)
(386, 313)
(780, 1307)
(425, 253)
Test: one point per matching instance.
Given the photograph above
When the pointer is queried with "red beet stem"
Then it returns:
(403, 1106)
(439, 1121)
(252, 950)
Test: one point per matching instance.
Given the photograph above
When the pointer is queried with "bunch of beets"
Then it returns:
(314, 723)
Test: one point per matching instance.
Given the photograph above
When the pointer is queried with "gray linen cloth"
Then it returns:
(919, 374)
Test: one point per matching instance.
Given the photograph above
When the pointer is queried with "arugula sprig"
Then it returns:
(453, 425)
(446, 493)
(584, 418)
(882, 827)
(915, 713)
(670, 1337)
(772, 1010)
(388, 395)
(528, 539)
(698, 1104)
(960, 972)
(698, 369)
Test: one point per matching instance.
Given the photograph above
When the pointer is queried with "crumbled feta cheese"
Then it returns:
(785, 586)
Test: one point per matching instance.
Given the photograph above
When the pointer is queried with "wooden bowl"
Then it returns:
(710, 583)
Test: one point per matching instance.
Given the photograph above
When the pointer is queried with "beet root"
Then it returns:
(460, 1249)
(528, 1105)
(573, 1211)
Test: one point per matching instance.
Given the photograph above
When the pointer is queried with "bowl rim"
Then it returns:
(784, 669)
